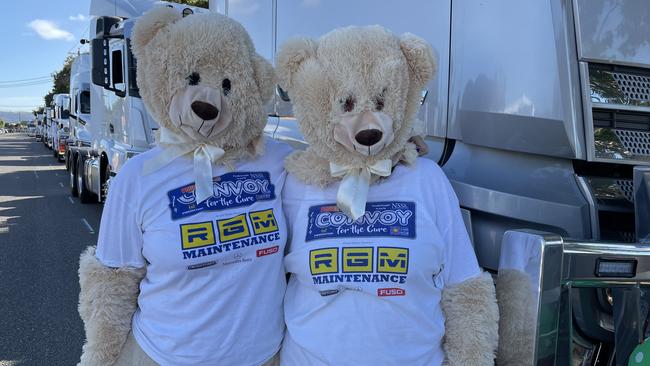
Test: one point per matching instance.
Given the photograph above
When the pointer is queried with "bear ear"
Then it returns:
(149, 25)
(419, 56)
(289, 58)
(264, 76)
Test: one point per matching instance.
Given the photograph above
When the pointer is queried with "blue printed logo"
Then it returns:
(229, 191)
(391, 219)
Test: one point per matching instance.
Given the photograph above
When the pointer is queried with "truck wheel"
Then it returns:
(85, 196)
(73, 179)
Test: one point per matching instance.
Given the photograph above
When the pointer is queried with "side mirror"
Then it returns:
(100, 63)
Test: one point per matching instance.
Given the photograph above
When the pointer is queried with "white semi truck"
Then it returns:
(80, 117)
(60, 125)
(47, 121)
(119, 125)
(39, 126)
(540, 117)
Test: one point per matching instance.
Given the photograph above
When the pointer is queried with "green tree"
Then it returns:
(38, 111)
(61, 81)
(199, 3)
(2, 124)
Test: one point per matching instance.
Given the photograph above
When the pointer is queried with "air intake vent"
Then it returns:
(627, 188)
(612, 84)
(624, 120)
(638, 143)
(634, 87)
(621, 135)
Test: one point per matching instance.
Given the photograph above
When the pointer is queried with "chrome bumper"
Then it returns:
(557, 270)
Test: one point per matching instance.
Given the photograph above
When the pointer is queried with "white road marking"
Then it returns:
(36, 174)
(61, 184)
(71, 200)
(90, 228)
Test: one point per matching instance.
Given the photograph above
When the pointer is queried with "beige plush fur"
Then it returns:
(107, 302)
(471, 318)
(359, 62)
(517, 323)
(169, 48)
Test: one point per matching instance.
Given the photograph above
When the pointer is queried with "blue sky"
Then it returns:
(35, 38)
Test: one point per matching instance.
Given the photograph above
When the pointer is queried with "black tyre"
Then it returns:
(73, 178)
(105, 182)
(68, 158)
(85, 196)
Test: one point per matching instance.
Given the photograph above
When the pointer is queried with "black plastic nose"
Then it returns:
(205, 111)
(368, 137)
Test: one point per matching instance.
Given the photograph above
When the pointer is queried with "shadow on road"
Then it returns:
(42, 234)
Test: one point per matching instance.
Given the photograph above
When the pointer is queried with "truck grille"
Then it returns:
(613, 84)
(638, 143)
(634, 87)
(626, 186)
(621, 134)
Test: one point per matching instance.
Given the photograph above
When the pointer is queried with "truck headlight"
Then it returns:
(616, 268)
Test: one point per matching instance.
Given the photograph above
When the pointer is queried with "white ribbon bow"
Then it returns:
(353, 191)
(174, 146)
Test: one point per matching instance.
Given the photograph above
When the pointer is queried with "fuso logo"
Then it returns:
(268, 251)
(391, 292)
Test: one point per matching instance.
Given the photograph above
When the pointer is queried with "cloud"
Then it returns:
(78, 17)
(48, 30)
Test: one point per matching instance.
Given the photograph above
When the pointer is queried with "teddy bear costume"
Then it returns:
(383, 272)
(192, 228)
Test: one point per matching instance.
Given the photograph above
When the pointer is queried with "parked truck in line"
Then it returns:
(80, 111)
(119, 125)
(60, 125)
(80, 100)
(540, 117)
(47, 127)
(39, 127)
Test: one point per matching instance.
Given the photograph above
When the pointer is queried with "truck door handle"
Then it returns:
(111, 128)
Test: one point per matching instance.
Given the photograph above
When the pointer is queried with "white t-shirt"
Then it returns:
(367, 292)
(215, 279)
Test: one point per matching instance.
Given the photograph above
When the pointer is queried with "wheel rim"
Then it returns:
(71, 177)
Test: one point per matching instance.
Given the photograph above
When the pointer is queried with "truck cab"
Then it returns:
(60, 126)
(47, 120)
(39, 126)
(540, 117)
(80, 110)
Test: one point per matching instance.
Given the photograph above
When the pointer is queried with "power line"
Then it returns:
(25, 80)
(20, 85)
(19, 106)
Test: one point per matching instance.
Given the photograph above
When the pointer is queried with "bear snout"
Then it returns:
(205, 111)
(368, 137)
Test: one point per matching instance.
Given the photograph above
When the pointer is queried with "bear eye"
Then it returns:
(379, 103)
(194, 78)
(225, 85)
(348, 104)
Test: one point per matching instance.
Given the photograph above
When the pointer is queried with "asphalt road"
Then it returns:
(42, 233)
